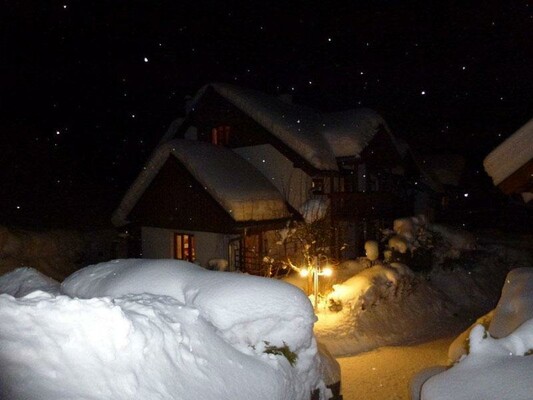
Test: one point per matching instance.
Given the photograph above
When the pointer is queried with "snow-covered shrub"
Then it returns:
(421, 245)
(372, 250)
(303, 246)
(369, 287)
(159, 329)
(218, 264)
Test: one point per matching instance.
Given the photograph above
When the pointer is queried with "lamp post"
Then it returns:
(316, 271)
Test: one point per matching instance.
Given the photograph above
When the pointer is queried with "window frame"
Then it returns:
(184, 246)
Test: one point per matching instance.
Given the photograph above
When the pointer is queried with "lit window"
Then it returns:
(184, 247)
(220, 135)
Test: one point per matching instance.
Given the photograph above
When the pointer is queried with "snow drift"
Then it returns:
(158, 330)
(494, 368)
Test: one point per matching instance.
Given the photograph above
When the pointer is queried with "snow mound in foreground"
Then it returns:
(247, 310)
(137, 346)
(516, 303)
(494, 368)
(159, 329)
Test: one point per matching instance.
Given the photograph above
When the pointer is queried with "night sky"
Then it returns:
(88, 88)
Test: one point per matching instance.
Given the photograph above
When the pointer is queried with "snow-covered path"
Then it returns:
(385, 373)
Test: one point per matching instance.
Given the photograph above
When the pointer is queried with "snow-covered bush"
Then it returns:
(415, 242)
(372, 285)
(159, 329)
(372, 250)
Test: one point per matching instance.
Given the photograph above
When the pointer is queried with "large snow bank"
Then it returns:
(387, 304)
(495, 368)
(383, 305)
(159, 329)
(231, 302)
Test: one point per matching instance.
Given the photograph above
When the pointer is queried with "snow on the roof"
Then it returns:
(295, 125)
(233, 182)
(510, 155)
(349, 132)
(317, 137)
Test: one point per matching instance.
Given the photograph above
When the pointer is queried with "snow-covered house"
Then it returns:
(242, 163)
(510, 165)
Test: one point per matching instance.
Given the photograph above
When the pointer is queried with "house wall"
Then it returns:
(159, 243)
(293, 183)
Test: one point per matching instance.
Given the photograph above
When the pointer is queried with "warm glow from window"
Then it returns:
(220, 135)
(184, 247)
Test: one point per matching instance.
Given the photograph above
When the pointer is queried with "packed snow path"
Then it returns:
(385, 373)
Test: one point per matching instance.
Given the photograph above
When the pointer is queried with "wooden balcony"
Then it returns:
(358, 205)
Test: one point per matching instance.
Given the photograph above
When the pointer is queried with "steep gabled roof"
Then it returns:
(235, 184)
(319, 138)
(349, 132)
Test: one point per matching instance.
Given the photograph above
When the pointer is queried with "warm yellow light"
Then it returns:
(327, 271)
(304, 272)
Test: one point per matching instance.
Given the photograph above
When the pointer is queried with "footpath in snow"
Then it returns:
(385, 373)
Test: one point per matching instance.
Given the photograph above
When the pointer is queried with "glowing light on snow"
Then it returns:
(423, 92)
(466, 195)
(145, 59)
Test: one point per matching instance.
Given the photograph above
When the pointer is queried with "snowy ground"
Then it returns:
(385, 373)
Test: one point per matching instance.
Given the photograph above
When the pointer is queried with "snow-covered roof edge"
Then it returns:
(511, 154)
(253, 198)
(349, 132)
